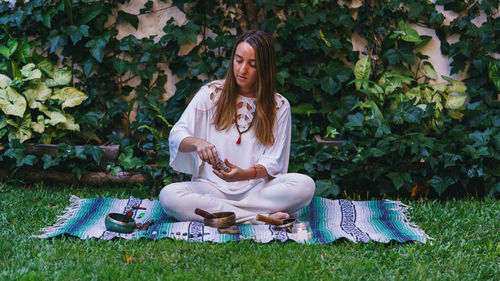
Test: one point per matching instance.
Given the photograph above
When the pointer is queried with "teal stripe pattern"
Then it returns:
(329, 220)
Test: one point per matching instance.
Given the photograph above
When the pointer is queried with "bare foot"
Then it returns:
(279, 216)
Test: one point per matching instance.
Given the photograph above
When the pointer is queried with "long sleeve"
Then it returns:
(192, 123)
(275, 158)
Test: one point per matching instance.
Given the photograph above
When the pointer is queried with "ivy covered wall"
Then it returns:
(356, 71)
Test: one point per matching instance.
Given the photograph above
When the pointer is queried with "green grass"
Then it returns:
(466, 247)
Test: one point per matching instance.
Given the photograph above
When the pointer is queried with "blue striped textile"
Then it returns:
(329, 220)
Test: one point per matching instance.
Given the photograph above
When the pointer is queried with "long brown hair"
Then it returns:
(265, 113)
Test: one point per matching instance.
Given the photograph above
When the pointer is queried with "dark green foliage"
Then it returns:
(392, 140)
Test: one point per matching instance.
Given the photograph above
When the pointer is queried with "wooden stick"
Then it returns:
(269, 220)
(204, 214)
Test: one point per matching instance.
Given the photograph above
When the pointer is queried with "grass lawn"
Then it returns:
(466, 247)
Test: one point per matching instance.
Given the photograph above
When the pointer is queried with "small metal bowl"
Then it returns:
(287, 225)
(114, 223)
(224, 219)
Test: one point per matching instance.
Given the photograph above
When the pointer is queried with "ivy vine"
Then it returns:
(390, 141)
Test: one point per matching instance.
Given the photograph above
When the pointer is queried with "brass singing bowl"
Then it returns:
(287, 225)
(224, 219)
(114, 223)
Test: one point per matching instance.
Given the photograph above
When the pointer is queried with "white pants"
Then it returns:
(285, 193)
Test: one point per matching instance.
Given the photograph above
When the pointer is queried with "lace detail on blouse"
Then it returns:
(245, 110)
(245, 106)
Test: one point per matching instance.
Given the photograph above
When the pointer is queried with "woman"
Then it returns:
(245, 122)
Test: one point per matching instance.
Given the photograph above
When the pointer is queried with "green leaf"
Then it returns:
(456, 86)
(127, 159)
(29, 160)
(129, 18)
(29, 72)
(62, 77)
(76, 33)
(69, 124)
(23, 132)
(355, 120)
(121, 66)
(4, 81)
(68, 8)
(4, 66)
(439, 87)
(70, 96)
(191, 31)
(440, 184)
(392, 85)
(495, 188)
(15, 150)
(326, 187)
(11, 102)
(304, 83)
(428, 70)
(411, 35)
(24, 52)
(282, 76)
(464, 47)
(494, 72)
(39, 93)
(377, 114)
(362, 70)
(92, 12)
(49, 161)
(392, 56)
(91, 117)
(39, 125)
(407, 55)
(46, 66)
(96, 153)
(16, 73)
(46, 17)
(96, 48)
(414, 94)
(3, 122)
(436, 18)
(329, 85)
(55, 116)
(57, 40)
(2, 133)
(10, 49)
(399, 179)
(406, 111)
(455, 101)
(88, 66)
(156, 133)
(80, 152)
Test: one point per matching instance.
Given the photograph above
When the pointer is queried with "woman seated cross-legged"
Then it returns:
(243, 122)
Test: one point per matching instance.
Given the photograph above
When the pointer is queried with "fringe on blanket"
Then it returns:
(402, 209)
(68, 213)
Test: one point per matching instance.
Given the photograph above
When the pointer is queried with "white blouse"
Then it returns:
(197, 121)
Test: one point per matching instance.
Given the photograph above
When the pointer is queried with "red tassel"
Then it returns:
(239, 139)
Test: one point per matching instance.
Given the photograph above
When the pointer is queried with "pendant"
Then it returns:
(239, 139)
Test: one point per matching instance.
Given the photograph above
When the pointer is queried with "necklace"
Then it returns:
(238, 128)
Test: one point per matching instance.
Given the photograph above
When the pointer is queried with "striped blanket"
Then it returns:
(329, 220)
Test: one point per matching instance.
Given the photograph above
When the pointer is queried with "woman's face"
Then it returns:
(244, 68)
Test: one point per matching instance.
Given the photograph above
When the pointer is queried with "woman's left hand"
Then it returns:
(236, 174)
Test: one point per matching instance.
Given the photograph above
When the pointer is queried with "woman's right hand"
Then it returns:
(207, 152)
